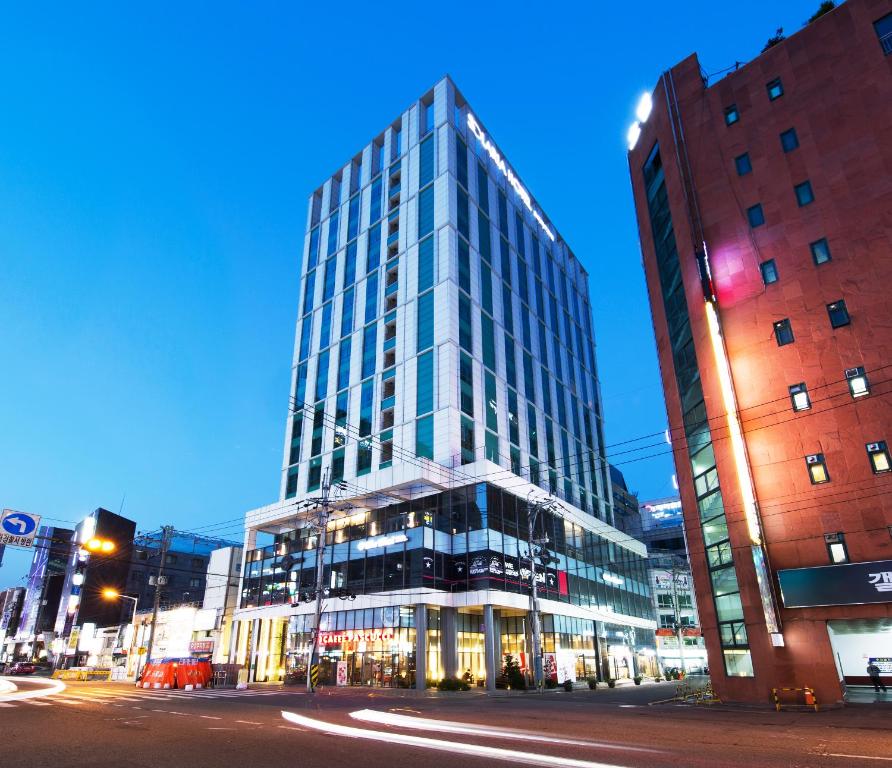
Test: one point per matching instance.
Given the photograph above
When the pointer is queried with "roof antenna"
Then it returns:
(123, 498)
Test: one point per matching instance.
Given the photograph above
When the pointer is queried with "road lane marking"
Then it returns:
(210, 717)
(493, 753)
(488, 731)
(858, 757)
(2, 704)
(37, 703)
(248, 722)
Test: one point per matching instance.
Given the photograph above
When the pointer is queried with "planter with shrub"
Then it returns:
(611, 683)
(568, 686)
(592, 683)
(453, 684)
(637, 679)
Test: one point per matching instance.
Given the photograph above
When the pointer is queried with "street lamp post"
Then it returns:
(113, 594)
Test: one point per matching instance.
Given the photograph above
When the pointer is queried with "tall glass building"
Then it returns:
(444, 377)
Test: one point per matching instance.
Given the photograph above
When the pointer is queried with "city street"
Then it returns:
(114, 724)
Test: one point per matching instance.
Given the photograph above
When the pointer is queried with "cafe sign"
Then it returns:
(355, 636)
(845, 584)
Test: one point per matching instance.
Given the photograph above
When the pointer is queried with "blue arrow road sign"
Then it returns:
(19, 523)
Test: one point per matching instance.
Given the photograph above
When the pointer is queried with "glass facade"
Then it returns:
(467, 539)
(713, 522)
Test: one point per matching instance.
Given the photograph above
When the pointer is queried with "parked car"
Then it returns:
(21, 668)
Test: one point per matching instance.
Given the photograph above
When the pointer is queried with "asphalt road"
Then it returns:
(114, 724)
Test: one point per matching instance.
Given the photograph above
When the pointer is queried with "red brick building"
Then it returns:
(764, 204)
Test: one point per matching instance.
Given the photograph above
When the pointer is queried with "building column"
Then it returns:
(234, 627)
(449, 642)
(251, 655)
(420, 647)
(490, 644)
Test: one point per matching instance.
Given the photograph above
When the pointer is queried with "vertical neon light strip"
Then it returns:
(741, 464)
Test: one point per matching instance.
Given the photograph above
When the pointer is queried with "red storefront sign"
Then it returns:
(691, 632)
(665, 633)
(355, 636)
(201, 646)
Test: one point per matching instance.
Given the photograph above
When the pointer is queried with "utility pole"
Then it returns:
(678, 633)
(321, 524)
(533, 510)
(160, 581)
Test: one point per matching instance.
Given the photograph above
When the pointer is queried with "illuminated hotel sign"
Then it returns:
(356, 636)
(500, 163)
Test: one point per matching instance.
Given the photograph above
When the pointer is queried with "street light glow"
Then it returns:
(95, 544)
(111, 594)
(645, 105)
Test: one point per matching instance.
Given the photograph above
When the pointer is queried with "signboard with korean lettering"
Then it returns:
(18, 529)
(846, 584)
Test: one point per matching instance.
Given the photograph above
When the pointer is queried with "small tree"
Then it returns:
(825, 7)
(773, 41)
(511, 670)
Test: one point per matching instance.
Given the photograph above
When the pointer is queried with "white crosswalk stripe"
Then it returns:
(100, 696)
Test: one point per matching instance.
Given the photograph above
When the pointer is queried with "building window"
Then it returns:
(883, 28)
(836, 547)
(743, 164)
(769, 271)
(198, 563)
(194, 582)
(755, 216)
(859, 386)
(731, 115)
(804, 193)
(783, 332)
(839, 315)
(820, 251)
(817, 468)
(170, 559)
(775, 89)
(467, 440)
(800, 398)
(428, 122)
(789, 140)
(879, 457)
(424, 437)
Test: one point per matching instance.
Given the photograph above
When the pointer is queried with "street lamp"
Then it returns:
(113, 594)
(103, 546)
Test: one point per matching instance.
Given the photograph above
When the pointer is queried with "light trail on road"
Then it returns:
(474, 750)
(51, 687)
(488, 731)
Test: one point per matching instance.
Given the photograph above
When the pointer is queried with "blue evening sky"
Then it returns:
(154, 167)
